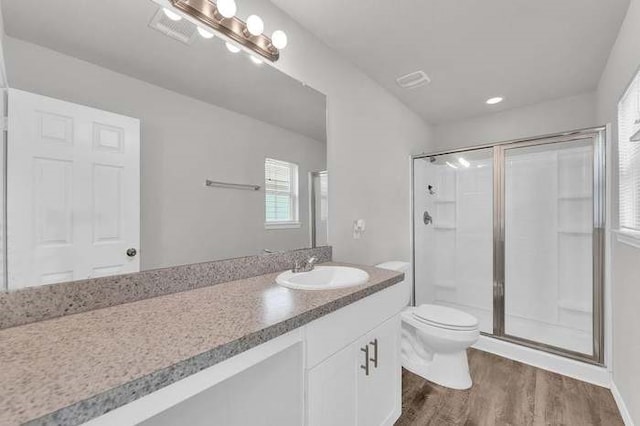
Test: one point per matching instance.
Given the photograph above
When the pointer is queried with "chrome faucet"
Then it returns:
(305, 266)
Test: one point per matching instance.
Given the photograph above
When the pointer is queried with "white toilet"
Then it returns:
(435, 339)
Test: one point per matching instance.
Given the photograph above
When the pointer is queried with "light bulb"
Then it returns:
(495, 100)
(255, 60)
(232, 47)
(464, 162)
(255, 26)
(227, 8)
(171, 14)
(279, 39)
(204, 33)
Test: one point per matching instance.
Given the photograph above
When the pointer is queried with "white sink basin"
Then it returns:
(323, 278)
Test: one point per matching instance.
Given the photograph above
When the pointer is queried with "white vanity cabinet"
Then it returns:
(339, 390)
(342, 369)
(380, 392)
(359, 385)
(332, 390)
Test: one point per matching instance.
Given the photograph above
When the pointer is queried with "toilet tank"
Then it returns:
(404, 267)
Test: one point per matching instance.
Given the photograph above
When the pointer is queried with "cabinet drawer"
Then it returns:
(327, 335)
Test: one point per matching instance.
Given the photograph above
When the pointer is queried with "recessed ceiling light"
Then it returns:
(496, 100)
(171, 14)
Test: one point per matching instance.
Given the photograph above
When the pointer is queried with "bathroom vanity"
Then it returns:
(243, 352)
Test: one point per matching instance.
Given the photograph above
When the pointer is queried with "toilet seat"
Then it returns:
(444, 317)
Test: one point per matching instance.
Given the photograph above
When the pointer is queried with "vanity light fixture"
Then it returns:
(279, 39)
(227, 8)
(496, 100)
(256, 60)
(220, 17)
(255, 25)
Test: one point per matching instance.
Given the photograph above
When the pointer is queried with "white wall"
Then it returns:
(554, 116)
(622, 65)
(370, 137)
(184, 142)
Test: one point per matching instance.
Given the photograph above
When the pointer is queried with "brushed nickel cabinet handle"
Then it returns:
(374, 343)
(365, 367)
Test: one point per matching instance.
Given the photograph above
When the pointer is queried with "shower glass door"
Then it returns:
(514, 235)
(549, 233)
(453, 232)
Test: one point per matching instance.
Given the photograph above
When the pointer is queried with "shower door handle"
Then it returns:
(426, 218)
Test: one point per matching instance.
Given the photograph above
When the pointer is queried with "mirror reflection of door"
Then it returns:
(73, 191)
(319, 208)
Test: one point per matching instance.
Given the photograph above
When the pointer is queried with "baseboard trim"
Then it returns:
(624, 412)
(567, 367)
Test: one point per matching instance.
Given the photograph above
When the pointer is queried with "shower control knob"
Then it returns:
(132, 252)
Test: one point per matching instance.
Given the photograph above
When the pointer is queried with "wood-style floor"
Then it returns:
(507, 392)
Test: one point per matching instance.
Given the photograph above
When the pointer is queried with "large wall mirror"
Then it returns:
(137, 143)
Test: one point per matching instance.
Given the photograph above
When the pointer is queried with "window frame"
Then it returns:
(626, 235)
(293, 193)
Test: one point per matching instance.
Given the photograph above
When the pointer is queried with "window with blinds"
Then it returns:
(281, 193)
(629, 158)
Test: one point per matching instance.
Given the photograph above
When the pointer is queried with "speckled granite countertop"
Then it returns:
(71, 369)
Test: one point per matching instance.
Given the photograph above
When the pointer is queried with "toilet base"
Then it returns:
(450, 370)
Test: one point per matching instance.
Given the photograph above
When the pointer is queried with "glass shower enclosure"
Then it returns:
(513, 233)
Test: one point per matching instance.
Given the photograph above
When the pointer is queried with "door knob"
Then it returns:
(132, 252)
(426, 218)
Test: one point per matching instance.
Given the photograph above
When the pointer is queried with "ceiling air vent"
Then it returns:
(182, 30)
(413, 80)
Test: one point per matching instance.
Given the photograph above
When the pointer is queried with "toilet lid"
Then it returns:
(444, 317)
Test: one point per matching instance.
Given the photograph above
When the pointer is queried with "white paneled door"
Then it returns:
(73, 191)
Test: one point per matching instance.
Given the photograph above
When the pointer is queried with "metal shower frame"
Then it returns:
(598, 137)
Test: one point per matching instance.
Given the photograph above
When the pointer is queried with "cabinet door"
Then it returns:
(332, 390)
(380, 392)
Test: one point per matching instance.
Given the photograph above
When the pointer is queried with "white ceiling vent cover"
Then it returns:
(413, 80)
(182, 30)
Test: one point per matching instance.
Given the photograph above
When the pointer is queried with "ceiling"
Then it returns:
(527, 51)
(115, 34)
